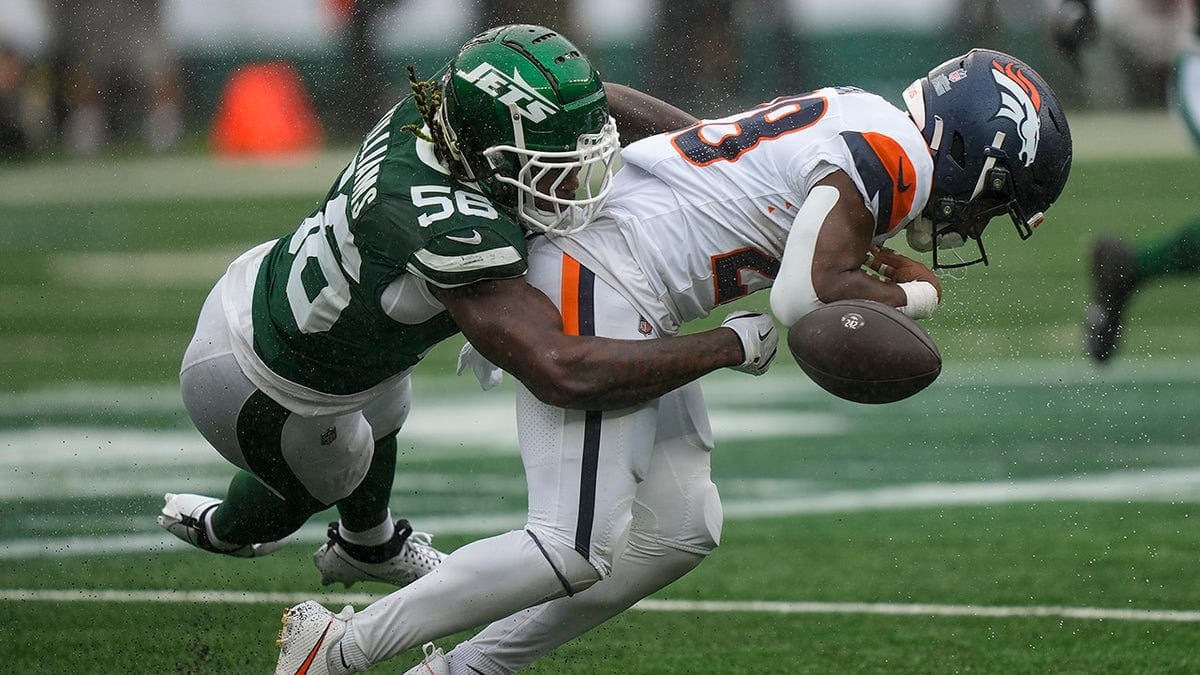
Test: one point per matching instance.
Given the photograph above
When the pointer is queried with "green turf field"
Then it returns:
(1029, 512)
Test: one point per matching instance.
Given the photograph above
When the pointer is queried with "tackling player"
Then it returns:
(795, 194)
(298, 373)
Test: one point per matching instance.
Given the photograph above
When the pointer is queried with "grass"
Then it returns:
(1017, 555)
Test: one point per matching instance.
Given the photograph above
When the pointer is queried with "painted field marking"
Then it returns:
(650, 605)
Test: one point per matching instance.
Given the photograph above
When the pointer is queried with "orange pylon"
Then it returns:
(265, 109)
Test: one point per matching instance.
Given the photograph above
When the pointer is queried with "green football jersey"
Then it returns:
(329, 303)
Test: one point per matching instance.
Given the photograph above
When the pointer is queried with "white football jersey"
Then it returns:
(699, 217)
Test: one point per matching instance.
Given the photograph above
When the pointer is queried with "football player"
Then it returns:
(298, 373)
(798, 194)
(1119, 268)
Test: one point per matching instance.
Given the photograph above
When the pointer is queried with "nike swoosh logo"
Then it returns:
(900, 184)
(476, 238)
(763, 336)
(308, 661)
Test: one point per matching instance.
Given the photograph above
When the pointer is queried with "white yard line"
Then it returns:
(694, 606)
(1085, 613)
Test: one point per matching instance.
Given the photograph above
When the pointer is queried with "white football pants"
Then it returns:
(596, 481)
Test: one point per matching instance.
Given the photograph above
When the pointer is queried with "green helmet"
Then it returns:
(524, 112)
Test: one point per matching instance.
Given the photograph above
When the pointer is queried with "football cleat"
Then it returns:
(185, 516)
(1114, 275)
(307, 639)
(398, 562)
(434, 663)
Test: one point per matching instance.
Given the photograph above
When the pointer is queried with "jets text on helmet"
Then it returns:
(513, 91)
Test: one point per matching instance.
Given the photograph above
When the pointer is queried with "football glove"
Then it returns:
(485, 371)
(760, 340)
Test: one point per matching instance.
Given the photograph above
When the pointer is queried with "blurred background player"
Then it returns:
(1118, 268)
(1156, 42)
(298, 373)
(796, 195)
(116, 76)
(1138, 41)
(14, 138)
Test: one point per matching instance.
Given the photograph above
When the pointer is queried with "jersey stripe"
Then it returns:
(579, 318)
(578, 284)
(587, 481)
(887, 174)
(570, 295)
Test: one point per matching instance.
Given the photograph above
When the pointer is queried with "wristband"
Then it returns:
(922, 299)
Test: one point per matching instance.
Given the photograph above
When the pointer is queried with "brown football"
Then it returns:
(864, 351)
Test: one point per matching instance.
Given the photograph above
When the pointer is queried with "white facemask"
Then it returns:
(920, 236)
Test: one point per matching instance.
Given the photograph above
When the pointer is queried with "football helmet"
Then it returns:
(524, 112)
(1000, 144)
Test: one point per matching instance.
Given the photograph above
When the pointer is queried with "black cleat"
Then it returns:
(1114, 275)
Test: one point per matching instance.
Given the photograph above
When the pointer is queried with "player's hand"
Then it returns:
(900, 268)
(485, 371)
(760, 340)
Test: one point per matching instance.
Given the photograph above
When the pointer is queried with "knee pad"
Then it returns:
(329, 455)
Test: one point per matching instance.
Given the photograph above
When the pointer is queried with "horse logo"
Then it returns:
(1019, 102)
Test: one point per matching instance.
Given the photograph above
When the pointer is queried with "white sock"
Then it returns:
(350, 653)
(466, 659)
(380, 534)
(212, 536)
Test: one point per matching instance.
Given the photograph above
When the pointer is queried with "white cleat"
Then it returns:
(185, 516)
(399, 562)
(307, 639)
(434, 663)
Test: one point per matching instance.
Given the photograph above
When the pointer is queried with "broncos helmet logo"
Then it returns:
(1019, 102)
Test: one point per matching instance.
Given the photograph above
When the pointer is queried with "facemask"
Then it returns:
(920, 236)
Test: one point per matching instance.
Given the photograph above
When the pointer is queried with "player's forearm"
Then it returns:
(516, 327)
(640, 115)
(859, 285)
(608, 374)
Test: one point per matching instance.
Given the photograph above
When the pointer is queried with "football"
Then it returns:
(864, 351)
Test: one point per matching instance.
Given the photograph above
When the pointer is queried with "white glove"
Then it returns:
(760, 340)
(485, 371)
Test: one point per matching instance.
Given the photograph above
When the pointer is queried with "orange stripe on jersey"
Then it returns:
(570, 295)
(899, 168)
